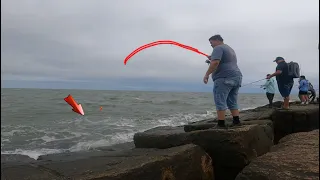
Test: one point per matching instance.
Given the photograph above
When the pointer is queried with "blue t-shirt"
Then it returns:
(228, 66)
(304, 85)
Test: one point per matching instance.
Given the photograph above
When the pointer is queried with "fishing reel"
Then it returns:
(208, 61)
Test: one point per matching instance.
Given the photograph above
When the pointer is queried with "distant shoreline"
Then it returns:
(122, 90)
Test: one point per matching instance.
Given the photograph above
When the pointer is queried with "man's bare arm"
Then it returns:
(213, 66)
(278, 72)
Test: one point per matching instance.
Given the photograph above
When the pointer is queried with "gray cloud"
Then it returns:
(80, 39)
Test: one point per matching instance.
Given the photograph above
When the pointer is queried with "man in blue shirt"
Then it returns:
(227, 79)
(303, 90)
(269, 86)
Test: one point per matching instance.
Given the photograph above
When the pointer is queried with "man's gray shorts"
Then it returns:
(225, 93)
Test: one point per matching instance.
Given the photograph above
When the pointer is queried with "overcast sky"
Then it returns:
(87, 40)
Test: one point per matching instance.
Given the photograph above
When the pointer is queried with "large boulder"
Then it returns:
(161, 137)
(295, 157)
(259, 113)
(299, 118)
(231, 149)
(208, 125)
(14, 166)
(188, 162)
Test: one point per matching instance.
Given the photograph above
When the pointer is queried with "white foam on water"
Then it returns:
(115, 139)
(121, 137)
(248, 108)
(128, 128)
(34, 154)
(12, 132)
(48, 139)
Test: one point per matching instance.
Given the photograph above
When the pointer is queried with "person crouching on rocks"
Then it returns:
(303, 90)
(227, 79)
(313, 92)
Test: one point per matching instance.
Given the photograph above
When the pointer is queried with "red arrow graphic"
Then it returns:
(76, 107)
(162, 42)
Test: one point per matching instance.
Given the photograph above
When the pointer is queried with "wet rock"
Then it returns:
(188, 162)
(27, 172)
(87, 154)
(231, 149)
(204, 126)
(15, 158)
(198, 126)
(295, 157)
(299, 118)
(161, 137)
(118, 147)
(259, 122)
(259, 113)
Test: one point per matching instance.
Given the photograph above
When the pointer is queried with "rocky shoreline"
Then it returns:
(270, 144)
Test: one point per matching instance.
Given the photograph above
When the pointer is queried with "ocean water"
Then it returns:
(36, 122)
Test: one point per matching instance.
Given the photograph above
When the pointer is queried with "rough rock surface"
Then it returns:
(208, 125)
(161, 137)
(231, 149)
(188, 162)
(299, 118)
(295, 157)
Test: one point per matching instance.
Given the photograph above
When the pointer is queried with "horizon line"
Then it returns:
(87, 89)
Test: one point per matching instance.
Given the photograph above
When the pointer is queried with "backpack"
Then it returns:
(293, 69)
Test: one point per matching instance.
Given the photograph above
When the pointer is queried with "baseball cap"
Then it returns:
(278, 59)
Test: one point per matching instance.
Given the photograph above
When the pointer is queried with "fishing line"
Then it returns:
(253, 82)
(208, 62)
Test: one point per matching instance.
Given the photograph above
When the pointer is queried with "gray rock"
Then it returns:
(299, 118)
(295, 157)
(188, 162)
(231, 149)
(161, 137)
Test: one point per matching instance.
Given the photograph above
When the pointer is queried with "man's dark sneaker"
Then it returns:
(217, 126)
(236, 124)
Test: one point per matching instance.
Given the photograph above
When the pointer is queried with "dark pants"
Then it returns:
(270, 98)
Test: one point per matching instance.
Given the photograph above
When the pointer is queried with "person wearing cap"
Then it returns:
(227, 79)
(269, 86)
(284, 81)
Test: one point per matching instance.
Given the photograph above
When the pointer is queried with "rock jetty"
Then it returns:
(295, 157)
(270, 144)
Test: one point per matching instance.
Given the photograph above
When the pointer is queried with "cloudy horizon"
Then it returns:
(81, 41)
